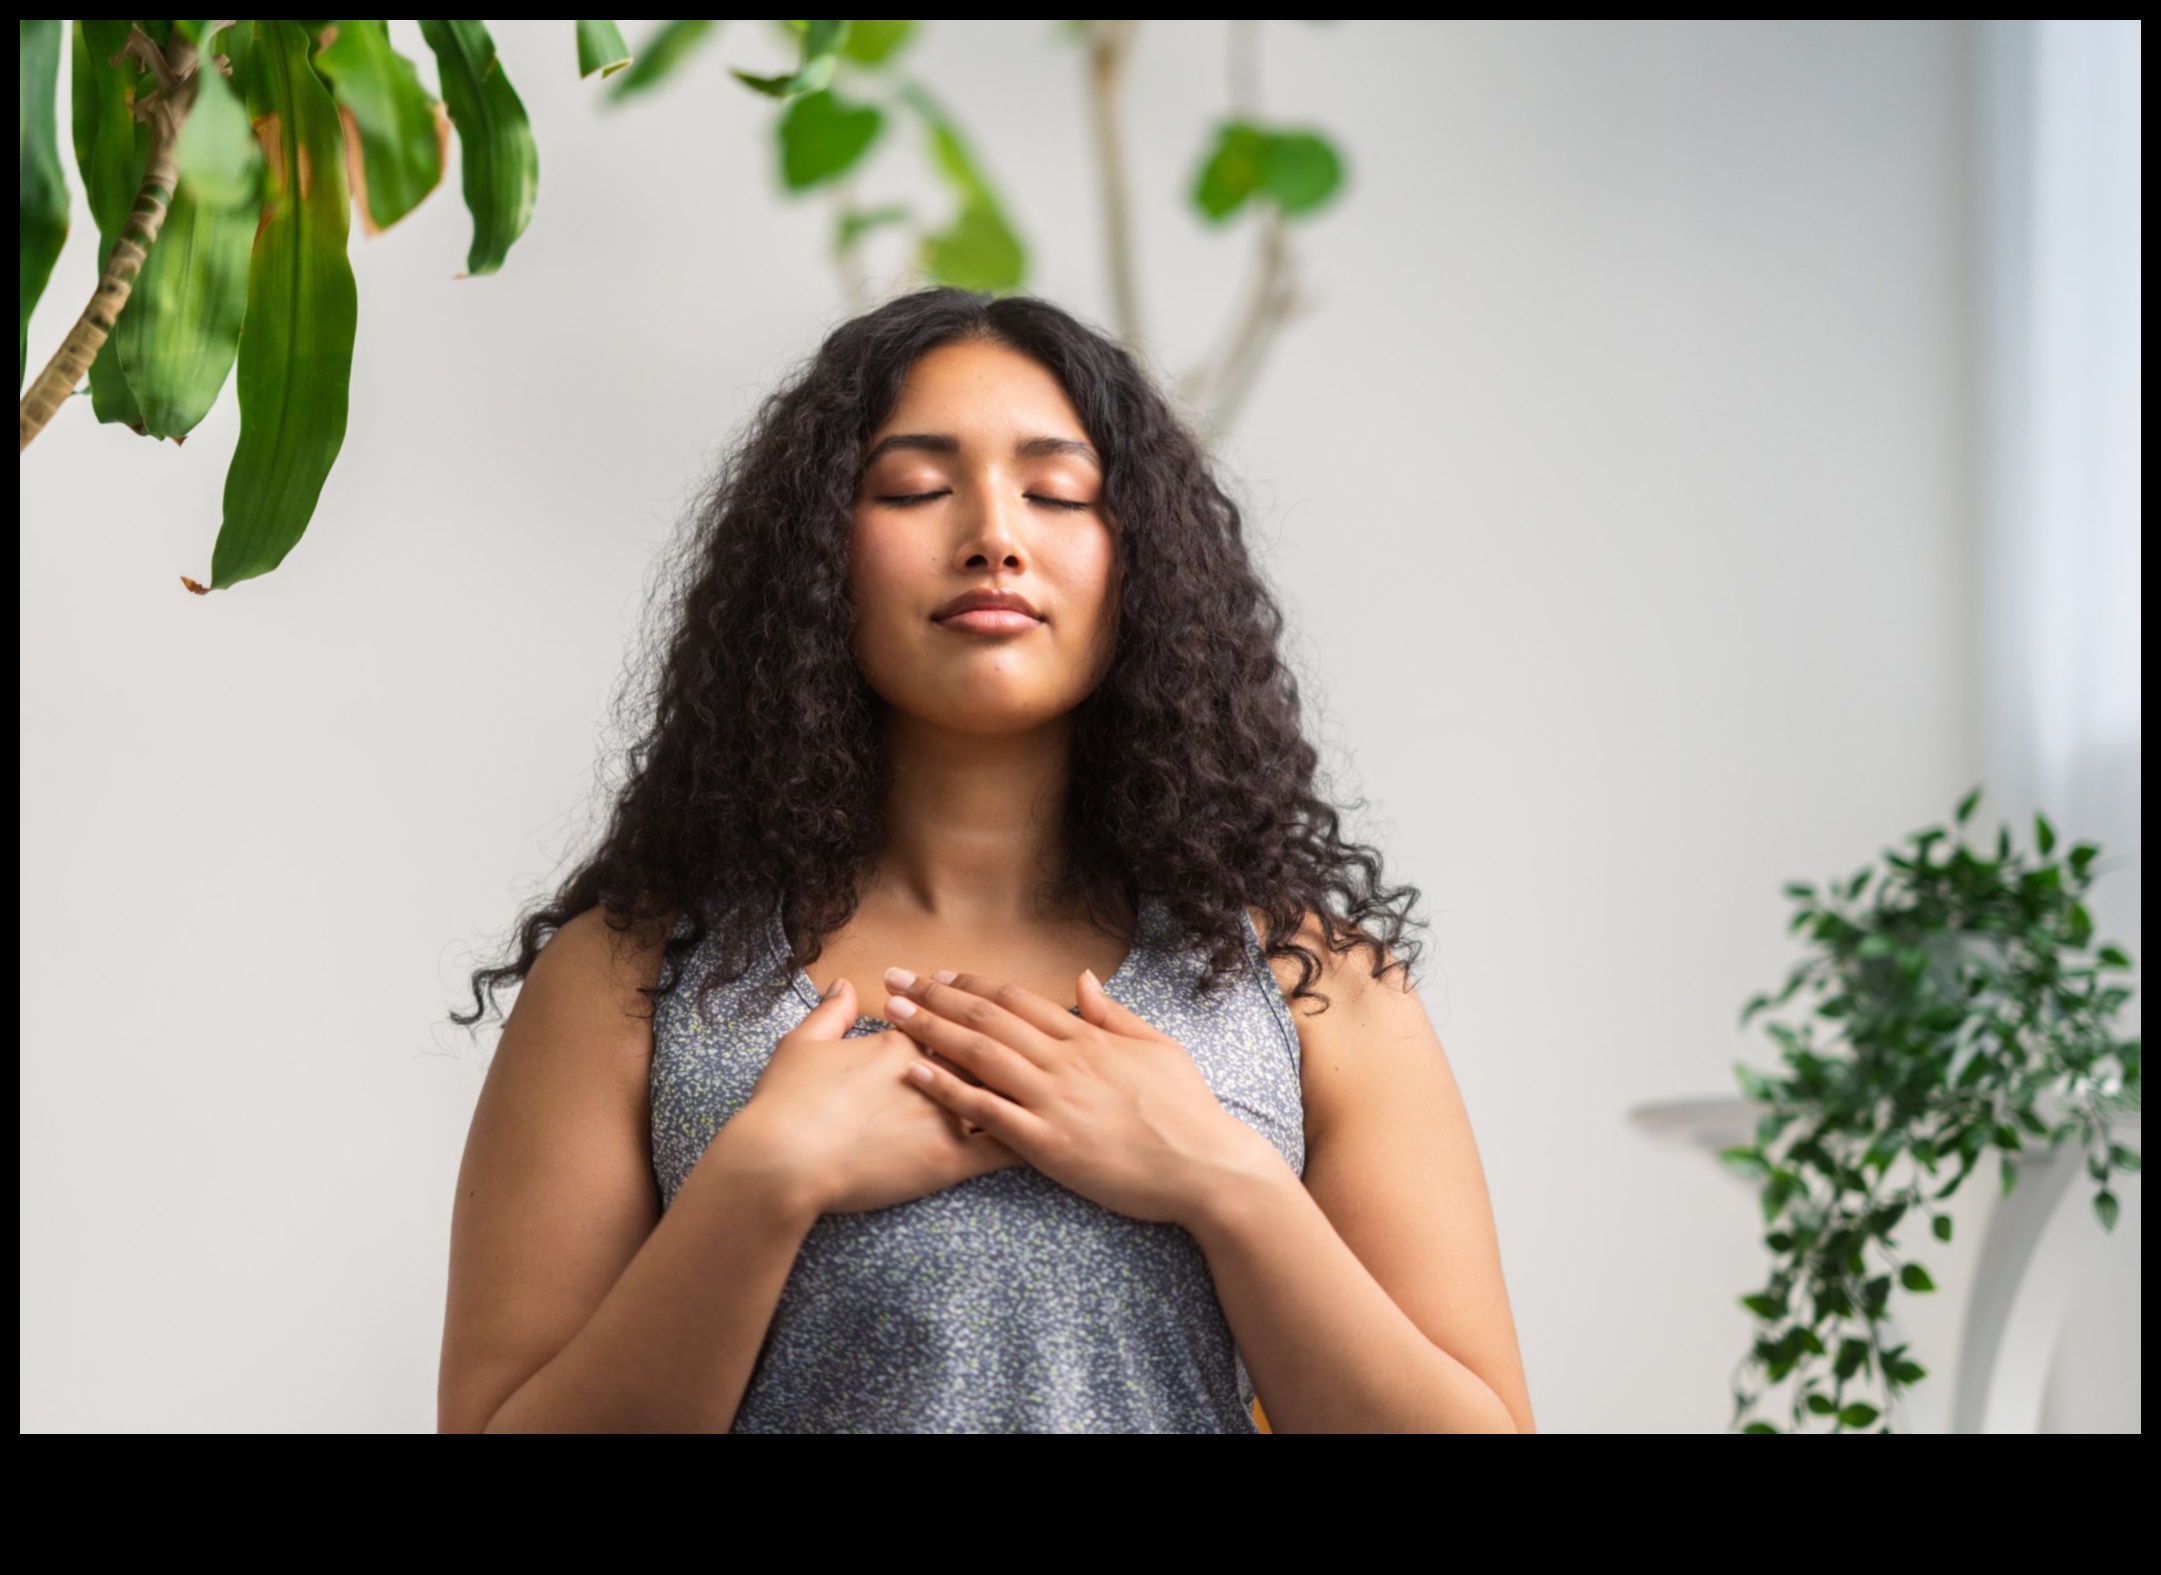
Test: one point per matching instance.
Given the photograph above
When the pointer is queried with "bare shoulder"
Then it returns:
(1370, 1037)
(587, 987)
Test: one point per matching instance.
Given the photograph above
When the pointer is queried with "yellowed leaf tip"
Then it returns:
(196, 586)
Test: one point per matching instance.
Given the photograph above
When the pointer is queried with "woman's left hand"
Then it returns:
(1100, 1103)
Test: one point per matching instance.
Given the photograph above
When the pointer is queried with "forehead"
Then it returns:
(978, 390)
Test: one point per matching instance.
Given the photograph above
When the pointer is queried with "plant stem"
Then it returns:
(1220, 386)
(165, 111)
(1110, 45)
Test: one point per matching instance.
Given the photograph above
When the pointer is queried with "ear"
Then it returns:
(1098, 1008)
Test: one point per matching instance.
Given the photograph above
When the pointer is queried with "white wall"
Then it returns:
(1619, 487)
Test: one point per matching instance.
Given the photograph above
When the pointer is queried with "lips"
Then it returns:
(988, 612)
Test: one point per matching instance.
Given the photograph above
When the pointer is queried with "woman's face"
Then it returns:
(981, 564)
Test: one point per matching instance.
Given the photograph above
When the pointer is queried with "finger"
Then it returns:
(1000, 1118)
(978, 1013)
(976, 1053)
(833, 1016)
(1100, 1010)
(1053, 1022)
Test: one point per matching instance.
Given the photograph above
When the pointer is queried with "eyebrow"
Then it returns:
(944, 443)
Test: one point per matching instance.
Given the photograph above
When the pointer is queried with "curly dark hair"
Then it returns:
(758, 781)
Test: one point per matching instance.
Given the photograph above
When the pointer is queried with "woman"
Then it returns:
(973, 705)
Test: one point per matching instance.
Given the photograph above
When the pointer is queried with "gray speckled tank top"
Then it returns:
(1006, 1303)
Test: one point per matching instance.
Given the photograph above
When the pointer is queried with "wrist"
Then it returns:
(1239, 1188)
(745, 1164)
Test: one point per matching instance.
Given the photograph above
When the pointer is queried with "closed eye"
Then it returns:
(1057, 503)
(908, 500)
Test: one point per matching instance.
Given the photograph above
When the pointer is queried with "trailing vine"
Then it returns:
(1951, 1004)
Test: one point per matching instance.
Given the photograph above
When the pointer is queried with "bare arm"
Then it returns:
(574, 1305)
(1371, 1297)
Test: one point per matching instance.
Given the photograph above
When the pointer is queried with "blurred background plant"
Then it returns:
(1957, 1006)
(222, 193)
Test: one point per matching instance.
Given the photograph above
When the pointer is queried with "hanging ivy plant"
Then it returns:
(1952, 1004)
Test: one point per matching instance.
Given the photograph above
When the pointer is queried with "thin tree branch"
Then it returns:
(165, 110)
(1110, 46)
(1218, 386)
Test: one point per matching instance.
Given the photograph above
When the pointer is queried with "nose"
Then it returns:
(991, 535)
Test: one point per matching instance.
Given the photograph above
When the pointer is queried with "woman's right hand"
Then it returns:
(837, 1120)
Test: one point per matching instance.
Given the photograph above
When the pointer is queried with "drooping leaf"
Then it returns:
(874, 43)
(1303, 170)
(1915, 1278)
(501, 166)
(1232, 172)
(111, 146)
(2106, 1209)
(979, 250)
(663, 53)
(1941, 1225)
(1966, 807)
(1857, 1415)
(400, 128)
(601, 48)
(177, 339)
(2044, 835)
(296, 346)
(821, 44)
(39, 185)
(822, 137)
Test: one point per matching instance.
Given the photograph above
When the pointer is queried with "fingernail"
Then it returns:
(831, 990)
(899, 979)
(945, 976)
(920, 1072)
(1090, 975)
(900, 1007)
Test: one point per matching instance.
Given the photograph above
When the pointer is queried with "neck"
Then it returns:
(974, 825)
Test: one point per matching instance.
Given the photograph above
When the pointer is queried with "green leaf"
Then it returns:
(1941, 1225)
(874, 43)
(666, 50)
(178, 336)
(1857, 1415)
(823, 137)
(1915, 1278)
(501, 165)
(2106, 1209)
(2125, 1159)
(1901, 1371)
(821, 45)
(1302, 171)
(1232, 172)
(1852, 1357)
(2044, 835)
(1966, 807)
(296, 347)
(1764, 1306)
(111, 146)
(601, 48)
(1823, 1405)
(400, 133)
(854, 225)
(2082, 857)
(1745, 1160)
(977, 251)
(1759, 1427)
(39, 185)
(2007, 1174)
(2113, 957)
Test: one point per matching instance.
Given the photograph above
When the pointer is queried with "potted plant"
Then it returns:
(1950, 1005)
